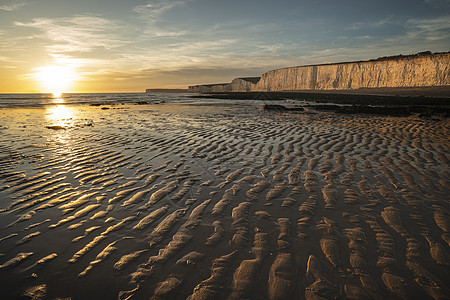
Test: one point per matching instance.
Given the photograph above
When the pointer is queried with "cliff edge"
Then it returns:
(410, 71)
(420, 70)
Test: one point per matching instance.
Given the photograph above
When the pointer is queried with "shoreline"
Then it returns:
(423, 101)
(431, 91)
(433, 94)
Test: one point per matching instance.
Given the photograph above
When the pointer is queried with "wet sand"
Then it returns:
(222, 202)
(427, 101)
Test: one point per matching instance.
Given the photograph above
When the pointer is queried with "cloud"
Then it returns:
(388, 36)
(438, 3)
(372, 24)
(139, 80)
(429, 29)
(233, 53)
(81, 33)
(9, 48)
(153, 10)
(202, 47)
(12, 6)
(157, 24)
(153, 42)
(168, 41)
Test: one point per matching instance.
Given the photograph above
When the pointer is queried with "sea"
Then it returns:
(42, 100)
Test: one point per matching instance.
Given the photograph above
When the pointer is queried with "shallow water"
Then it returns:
(43, 100)
(107, 203)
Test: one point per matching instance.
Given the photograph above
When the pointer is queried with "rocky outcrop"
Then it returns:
(419, 70)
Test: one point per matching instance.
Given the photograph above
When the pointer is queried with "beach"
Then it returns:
(178, 201)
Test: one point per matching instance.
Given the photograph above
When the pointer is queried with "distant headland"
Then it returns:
(419, 70)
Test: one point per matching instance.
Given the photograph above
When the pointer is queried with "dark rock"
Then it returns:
(276, 107)
(55, 127)
(326, 107)
(379, 110)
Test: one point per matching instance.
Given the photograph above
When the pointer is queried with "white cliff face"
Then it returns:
(221, 88)
(210, 88)
(242, 85)
(431, 70)
(237, 85)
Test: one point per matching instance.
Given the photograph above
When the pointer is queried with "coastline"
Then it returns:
(424, 69)
(398, 101)
(408, 93)
(430, 91)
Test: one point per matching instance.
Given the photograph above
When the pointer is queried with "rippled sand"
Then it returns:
(222, 202)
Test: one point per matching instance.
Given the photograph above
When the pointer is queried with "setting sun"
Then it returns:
(56, 79)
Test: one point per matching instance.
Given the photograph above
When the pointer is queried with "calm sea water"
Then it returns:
(38, 100)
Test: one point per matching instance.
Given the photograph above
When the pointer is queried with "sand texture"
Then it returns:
(222, 202)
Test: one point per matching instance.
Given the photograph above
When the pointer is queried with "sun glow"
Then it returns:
(60, 115)
(56, 79)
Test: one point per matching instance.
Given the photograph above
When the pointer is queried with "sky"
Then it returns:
(128, 46)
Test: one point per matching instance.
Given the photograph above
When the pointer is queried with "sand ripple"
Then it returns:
(174, 202)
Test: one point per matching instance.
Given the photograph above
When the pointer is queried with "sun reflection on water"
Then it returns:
(60, 115)
(57, 98)
(60, 120)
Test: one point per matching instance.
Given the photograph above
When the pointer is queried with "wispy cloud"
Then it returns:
(202, 47)
(100, 42)
(153, 14)
(170, 55)
(429, 29)
(168, 77)
(438, 3)
(153, 10)
(372, 23)
(182, 42)
(81, 33)
(9, 48)
(388, 36)
(12, 5)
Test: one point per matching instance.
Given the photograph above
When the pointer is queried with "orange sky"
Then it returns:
(128, 46)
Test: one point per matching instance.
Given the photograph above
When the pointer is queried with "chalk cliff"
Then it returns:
(237, 85)
(244, 84)
(210, 88)
(419, 70)
(414, 71)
